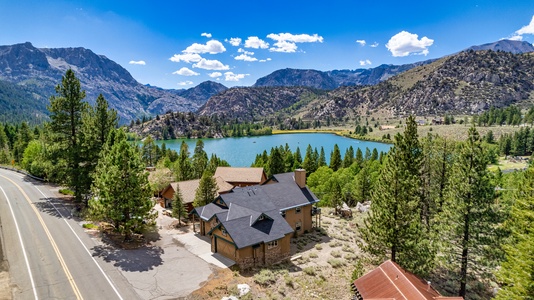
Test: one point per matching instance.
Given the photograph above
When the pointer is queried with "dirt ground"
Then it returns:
(321, 267)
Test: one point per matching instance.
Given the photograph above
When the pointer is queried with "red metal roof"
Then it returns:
(390, 281)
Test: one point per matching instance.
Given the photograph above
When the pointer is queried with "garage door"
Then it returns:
(225, 248)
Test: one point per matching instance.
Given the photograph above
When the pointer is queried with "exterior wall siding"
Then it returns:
(304, 217)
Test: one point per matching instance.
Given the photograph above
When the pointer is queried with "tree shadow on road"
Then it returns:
(141, 259)
(47, 207)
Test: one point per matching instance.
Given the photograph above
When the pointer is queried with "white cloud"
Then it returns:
(296, 38)
(265, 60)
(139, 62)
(208, 35)
(241, 50)
(286, 42)
(284, 46)
(234, 41)
(230, 76)
(185, 83)
(405, 43)
(211, 47)
(256, 43)
(528, 29)
(215, 74)
(374, 45)
(365, 62)
(185, 72)
(187, 57)
(208, 64)
(361, 42)
(245, 57)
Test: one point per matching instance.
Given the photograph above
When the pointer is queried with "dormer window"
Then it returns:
(224, 232)
(261, 218)
(283, 214)
(298, 209)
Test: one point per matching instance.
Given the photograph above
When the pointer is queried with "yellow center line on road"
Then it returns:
(54, 245)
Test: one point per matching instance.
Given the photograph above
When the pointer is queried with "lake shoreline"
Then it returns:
(242, 151)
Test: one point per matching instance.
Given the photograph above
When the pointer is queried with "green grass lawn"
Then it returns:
(506, 164)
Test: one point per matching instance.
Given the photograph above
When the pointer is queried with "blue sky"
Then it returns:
(179, 44)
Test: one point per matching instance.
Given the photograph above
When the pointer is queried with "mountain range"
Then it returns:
(463, 82)
(36, 71)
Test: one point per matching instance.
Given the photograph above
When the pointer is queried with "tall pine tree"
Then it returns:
(66, 109)
(121, 188)
(468, 217)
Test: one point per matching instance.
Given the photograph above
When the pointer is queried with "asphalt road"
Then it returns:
(49, 253)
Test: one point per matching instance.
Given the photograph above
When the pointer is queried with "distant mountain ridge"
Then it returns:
(40, 70)
(515, 47)
(330, 80)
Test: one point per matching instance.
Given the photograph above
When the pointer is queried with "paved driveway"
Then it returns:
(201, 247)
(174, 265)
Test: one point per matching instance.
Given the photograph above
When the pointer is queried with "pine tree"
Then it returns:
(97, 123)
(359, 157)
(179, 209)
(182, 167)
(322, 158)
(348, 159)
(309, 163)
(276, 162)
(468, 214)
(121, 188)
(335, 158)
(66, 111)
(200, 159)
(394, 225)
(206, 191)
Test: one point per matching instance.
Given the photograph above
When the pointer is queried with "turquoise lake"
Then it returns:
(242, 151)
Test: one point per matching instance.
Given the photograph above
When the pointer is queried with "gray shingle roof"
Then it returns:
(247, 204)
(266, 230)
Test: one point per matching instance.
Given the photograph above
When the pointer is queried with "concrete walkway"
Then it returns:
(201, 247)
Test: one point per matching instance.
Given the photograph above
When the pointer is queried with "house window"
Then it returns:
(272, 244)
(224, 232)
(298, 226)
(297, 210)
(283, 214)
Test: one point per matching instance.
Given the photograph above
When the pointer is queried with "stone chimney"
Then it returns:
(300, 178)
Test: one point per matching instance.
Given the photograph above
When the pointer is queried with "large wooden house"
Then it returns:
(253, 225)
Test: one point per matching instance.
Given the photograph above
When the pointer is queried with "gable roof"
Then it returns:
(244, 206)
(245, 234)
(390, 281)
(187, 188)
(249, 175)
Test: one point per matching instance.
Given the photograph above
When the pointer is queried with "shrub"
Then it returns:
(336, 254)
(350, 256)
(265, 277)
(66, 192)
(89, 226)
(309, 271)
(314, 255)
(289, 281)
(319, 247)
(336, 263)
(347, 248)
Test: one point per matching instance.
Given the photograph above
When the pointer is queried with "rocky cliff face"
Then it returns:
(468, 82)
(40, 70)
(252, 103)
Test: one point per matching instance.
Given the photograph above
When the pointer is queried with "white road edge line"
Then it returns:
(21, 244)
(83, 245)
